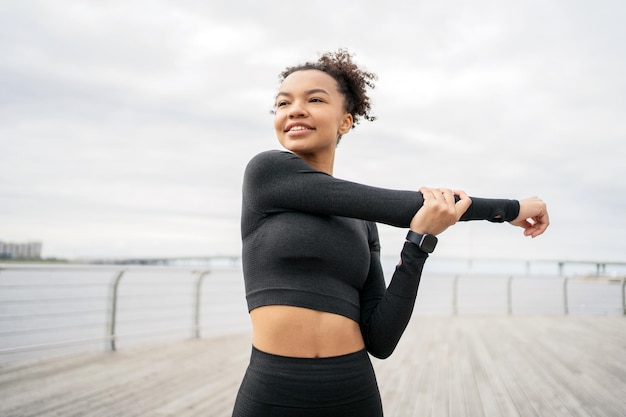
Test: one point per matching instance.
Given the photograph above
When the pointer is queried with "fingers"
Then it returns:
(439, 194)
(539, 226)
(437, 213)
(462, 195)
(464, 202)
(533, 217)
(460, 206)
(456, 202)
(448, 197)
(543, 224)
(428, 193)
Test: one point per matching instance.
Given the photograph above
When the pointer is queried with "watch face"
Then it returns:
(428, 243)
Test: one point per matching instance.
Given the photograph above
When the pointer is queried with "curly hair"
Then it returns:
(352, 81)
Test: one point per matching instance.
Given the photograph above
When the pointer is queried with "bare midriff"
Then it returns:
(304, 333)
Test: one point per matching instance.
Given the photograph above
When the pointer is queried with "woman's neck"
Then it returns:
(323, 163)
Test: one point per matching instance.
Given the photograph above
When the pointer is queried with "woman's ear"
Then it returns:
(346, 124)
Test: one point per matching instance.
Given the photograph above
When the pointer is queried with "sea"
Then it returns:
(58, 310)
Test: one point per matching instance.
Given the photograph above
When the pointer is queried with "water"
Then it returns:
(48, 306)
(43, 307)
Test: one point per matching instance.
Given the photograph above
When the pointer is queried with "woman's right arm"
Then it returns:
(278, 181)
(533, 216)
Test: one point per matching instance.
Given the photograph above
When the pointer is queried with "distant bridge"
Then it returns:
(601, 267)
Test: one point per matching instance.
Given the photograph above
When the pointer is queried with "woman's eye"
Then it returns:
(316, 100)
(281, 103)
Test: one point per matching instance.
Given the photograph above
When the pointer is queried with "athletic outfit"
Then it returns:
(310, 240)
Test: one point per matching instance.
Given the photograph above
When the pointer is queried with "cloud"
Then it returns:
(125, 129)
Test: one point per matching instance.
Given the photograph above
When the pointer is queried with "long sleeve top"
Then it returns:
(310, 240)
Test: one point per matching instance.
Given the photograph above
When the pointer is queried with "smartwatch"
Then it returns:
(425, 242)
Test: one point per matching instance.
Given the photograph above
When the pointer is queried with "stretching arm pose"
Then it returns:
(310, 241)
(311, 253)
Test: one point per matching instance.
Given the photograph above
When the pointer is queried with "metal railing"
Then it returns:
(113, 298)
(565, 291)
(44, 307)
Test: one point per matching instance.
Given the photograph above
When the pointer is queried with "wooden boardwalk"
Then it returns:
(444, 366)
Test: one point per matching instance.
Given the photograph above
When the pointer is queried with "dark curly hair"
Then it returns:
(352, 81)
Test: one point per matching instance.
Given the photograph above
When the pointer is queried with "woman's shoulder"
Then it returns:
(267, 164)
(270, 157)
(275, 160)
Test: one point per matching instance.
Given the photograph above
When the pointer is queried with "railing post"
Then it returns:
(112, 317)
(509, 301)
(455, 295)
(565, 302)
(624, 296)
(197, 303)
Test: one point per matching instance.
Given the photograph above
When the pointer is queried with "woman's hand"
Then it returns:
(440, 210)
(533, 216)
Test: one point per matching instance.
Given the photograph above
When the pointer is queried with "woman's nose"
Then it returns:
(297, 110)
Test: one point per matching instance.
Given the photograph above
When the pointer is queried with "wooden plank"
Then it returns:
(566, 362)
(130, 383)
(467, 366)
(496, 398)
(516, 364)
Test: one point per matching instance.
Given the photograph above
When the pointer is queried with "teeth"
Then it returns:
(298, 128)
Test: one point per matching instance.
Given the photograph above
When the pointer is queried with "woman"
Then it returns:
(311, 257)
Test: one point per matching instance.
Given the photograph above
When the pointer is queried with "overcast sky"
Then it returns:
(125, 126)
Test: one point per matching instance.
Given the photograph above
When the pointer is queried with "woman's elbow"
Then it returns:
(380, 352)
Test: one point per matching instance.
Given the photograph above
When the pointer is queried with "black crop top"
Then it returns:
(310, 240)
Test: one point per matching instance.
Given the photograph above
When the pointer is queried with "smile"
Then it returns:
(297, 127)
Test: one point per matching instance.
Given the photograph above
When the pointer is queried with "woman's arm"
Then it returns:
(533, 216)
(385, 313)
(278, 181)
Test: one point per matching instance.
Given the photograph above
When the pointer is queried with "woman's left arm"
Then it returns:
(385, 313)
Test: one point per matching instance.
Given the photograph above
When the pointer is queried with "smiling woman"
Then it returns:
(310, 116)
(311, 255)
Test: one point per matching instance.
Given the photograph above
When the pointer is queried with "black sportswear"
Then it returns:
(310, 240)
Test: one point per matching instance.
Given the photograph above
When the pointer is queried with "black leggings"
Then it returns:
(279, 386)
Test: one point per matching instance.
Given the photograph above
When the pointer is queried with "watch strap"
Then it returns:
(425, 242)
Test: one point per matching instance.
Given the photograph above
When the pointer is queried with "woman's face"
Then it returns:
(310, 113)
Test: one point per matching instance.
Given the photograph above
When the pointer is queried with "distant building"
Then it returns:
(28, 250)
